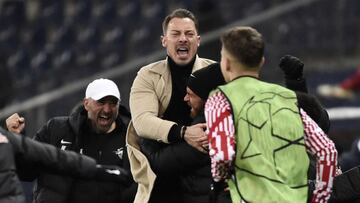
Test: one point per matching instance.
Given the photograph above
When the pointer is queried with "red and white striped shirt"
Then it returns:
(221, 135)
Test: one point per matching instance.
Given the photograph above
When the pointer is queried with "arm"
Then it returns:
(49, 158)
(318, 144)
(144, 106)
(293, 70)
(43, 157)
(294, 80)
(221, 135)
(27, 169)
(314, 109)
(145, 103)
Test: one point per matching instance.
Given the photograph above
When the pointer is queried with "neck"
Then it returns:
(241, 73)
(113, 126)
(173, 65)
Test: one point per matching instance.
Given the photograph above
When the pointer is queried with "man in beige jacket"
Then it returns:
(160, 116)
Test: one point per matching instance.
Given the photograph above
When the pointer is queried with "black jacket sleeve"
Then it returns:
(346, 187)
(314, 109)
(172, 159)
(309, 103)
(45, 157)
(296, 85)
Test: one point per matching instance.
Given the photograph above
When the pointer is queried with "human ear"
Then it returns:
(163, 40)
(86, 103)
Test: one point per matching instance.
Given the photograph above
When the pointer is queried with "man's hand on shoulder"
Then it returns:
(196, 137)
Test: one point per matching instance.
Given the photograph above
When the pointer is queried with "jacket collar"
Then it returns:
(159, 69)
(78, 118)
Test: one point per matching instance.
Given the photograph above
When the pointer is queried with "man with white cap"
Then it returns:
(94, 129)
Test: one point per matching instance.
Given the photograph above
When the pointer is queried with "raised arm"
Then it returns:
(294, 80)
(293, 73)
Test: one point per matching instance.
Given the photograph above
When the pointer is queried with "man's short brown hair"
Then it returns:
(180, 13)
(245, 44)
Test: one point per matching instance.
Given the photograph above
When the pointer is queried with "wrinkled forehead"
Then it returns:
(181, 24)
(110, 99)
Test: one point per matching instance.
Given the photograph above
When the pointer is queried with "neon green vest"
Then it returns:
(271, 161)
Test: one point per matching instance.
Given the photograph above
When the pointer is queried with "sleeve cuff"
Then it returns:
(174, 134)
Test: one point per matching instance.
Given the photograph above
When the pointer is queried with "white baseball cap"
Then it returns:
(101, 88)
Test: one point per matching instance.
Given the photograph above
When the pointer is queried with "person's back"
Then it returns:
(10, 187)
(258, 136)
(271, 152)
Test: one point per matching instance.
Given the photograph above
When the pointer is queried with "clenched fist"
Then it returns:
(15, 123)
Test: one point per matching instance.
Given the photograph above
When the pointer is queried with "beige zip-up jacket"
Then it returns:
(149, 97)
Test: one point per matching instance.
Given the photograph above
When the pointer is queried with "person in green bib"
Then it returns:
(259, 138)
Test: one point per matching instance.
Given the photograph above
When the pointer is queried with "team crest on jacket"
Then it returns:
(119, 152)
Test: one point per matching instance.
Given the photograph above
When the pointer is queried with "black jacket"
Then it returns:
(72, 133)
(191, 167)
(16, 150)
(346, 187)
(197, 183)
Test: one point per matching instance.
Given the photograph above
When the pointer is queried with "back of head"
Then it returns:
(203, 81)
(180, 13)
(245, 44)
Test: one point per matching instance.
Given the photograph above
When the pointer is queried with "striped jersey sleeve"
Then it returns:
(318, 144)
(220, 131)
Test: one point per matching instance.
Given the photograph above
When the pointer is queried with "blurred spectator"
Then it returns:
(351, 158)
(346, 89)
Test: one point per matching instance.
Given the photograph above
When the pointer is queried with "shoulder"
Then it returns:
(55, 127)
(202, 62)
(158, 66)
(278, 88)
(206, 61)
(58, 121)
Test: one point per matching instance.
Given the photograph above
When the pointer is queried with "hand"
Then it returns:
(292, 67)
(15, 123)
(196, 137)
(338, 171)
(113, 173)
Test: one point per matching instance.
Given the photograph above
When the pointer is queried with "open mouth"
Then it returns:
(182, 51)
(105, 120)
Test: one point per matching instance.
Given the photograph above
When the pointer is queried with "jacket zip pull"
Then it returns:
(100, 153)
